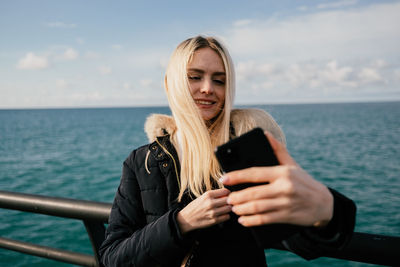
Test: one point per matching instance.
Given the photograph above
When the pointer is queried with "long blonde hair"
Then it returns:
(199, 167)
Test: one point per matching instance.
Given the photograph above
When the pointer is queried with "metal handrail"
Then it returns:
(48, 252)
(367, 248)
(93, 214)
(56, 206)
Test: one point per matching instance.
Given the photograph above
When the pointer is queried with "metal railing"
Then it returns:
(367, 248)
(93, 214)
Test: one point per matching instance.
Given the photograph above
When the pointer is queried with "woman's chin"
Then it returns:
(209, 116)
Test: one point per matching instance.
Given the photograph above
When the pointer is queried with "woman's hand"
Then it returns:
(291, 195)
(208, 209)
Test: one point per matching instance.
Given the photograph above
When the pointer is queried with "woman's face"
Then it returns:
(206, 74)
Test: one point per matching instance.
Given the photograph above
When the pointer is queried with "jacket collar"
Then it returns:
(242, 121)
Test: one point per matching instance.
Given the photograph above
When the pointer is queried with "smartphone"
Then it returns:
(251, 149)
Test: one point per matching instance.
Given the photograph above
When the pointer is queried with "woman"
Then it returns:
(171, 207)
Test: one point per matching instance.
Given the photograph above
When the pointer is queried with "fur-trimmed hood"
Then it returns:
(159, 125)
(242, 120)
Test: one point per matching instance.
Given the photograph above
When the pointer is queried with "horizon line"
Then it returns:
(235, 105)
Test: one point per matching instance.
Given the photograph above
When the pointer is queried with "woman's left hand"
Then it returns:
(291, 195)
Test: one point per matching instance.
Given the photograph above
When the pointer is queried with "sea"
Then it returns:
(78, 153)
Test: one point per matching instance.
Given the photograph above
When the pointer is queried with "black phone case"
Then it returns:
(253, 149)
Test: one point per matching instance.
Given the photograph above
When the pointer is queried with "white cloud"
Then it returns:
(88, 96)
(319, 54)
(308, 77)
(92, 55)
(369, 75)
(396, 75)
(242, 22)
(302, 8)
(58, 24)
(104, 70)
(379, 63)
(33, 62)
(146, 82)
(332, 74)
(126, 85)
(298, 75)
(337, 4)
(70, 54)
(352, 33)
(163, 61)
(251, 69)
(61, 83)
(148, 57)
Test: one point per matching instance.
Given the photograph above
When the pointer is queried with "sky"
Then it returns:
(114, 53)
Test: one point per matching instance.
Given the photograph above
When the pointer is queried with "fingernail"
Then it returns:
(240, 220)
(223, 179)
(228, 200)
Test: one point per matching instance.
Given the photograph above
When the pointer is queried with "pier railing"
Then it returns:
(367, 248)
(93, 214)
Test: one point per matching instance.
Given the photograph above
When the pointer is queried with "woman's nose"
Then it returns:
(207, 87)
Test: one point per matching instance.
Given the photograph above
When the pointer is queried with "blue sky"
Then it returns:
(102, 53)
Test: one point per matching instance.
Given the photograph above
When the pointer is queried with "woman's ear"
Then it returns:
(165, 83)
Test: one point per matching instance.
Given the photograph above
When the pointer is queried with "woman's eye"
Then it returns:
(219, 82)
(194, 77)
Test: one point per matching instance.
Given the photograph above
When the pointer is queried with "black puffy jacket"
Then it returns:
(143, 230)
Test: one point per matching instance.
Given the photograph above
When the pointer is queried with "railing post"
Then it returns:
(96, 232)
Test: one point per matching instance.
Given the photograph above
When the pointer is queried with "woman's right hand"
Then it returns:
(208, 209)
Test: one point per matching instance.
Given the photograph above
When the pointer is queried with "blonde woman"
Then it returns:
(171, 207)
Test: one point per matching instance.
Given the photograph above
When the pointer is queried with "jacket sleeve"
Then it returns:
(311, 242)
(129, 240)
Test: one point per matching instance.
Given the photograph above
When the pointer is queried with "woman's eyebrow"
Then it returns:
(202, 71)
(196, 70)
(219, 73)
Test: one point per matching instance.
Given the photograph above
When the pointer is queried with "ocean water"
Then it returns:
(78, 153)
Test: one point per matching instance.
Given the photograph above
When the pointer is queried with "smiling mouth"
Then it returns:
(204, 102)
